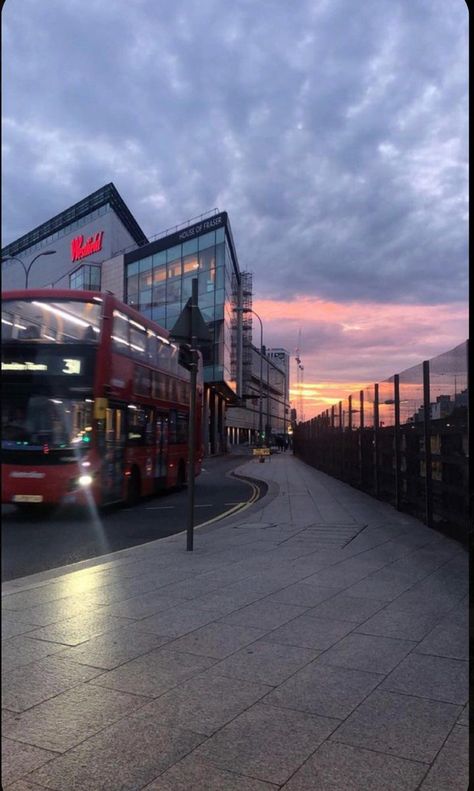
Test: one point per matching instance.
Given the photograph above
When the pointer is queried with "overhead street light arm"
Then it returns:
(27, 269)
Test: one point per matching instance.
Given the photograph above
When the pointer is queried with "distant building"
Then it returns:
(98, 245)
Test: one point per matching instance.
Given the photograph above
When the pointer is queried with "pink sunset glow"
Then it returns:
(347, 346)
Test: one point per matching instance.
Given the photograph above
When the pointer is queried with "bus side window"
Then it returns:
(140, 429)
(172, 427)
(182, 423)
(120, 341)
(150, 427)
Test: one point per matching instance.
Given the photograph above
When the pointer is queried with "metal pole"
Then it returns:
(396, 396)
(341, 434)
(427, 437)
(376, 439)
(192, 419)
(361, 440)
(267, 425)
(260, 416)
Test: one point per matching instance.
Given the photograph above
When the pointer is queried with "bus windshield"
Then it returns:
(51, 321)
(33, 422)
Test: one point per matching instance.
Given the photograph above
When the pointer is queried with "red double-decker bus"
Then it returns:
(95, 403)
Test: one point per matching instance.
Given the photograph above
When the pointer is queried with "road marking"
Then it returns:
(233, 510)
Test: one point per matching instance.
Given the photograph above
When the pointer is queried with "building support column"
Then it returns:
(205, 421)
(212, 422)
(221, 433)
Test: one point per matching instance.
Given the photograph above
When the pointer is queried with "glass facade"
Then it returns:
(86, 278)
(160, 284)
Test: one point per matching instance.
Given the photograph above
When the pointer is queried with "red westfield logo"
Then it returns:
(79, 249)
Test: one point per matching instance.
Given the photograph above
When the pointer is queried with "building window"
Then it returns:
(85, 278)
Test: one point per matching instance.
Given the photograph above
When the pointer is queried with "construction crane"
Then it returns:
(299, 382)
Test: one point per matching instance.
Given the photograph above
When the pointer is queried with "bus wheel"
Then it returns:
(181, 479)
(133, 487)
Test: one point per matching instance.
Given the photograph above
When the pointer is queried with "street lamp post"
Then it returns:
(260, 414)
(27, 269)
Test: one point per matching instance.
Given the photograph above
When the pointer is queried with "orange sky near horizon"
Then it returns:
(348, 346)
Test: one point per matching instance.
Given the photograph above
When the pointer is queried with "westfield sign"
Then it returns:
(81, 249)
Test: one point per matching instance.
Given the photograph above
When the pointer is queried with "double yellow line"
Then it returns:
(235, 508)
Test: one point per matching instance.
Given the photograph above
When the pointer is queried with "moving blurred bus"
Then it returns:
(95, 401)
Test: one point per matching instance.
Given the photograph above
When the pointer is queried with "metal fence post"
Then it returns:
(427, 436)
(376, 439)
(396, 438)
(361, 440)
(341, 441)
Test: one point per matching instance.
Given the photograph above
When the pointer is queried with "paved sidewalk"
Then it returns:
(317, 640)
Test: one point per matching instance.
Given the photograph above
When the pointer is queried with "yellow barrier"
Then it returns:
(261, 451)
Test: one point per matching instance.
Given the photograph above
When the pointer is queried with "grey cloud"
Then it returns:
(333, 133)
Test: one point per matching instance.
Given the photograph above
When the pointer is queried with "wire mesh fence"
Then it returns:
(403, 440)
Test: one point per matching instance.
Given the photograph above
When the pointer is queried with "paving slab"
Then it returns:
(196, 774)
(141, 606)
(155, 672)
(319, 648)
(446, 639)
(384, 584)
(23, 785)
(307, 631)
(266, 742)
(18, 759)
(367, 652)
(450, 771)
(73, 631)
(22, 689)
(343, 607)
(205, 702)
(399, 623)
(269, 663)
(324, 690)
(410, 727)
(433, 677)
(127, 755)
(71, 717)
(11, 626)
(216, 640)
(334, 767)
(264, 614)
(114, 648)
(51, 612)
(21, 650)
(303, 594)
(178, 620)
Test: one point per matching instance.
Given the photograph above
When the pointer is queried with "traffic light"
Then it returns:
(186, 356)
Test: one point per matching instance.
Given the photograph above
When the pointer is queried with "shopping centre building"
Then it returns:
(97, 244)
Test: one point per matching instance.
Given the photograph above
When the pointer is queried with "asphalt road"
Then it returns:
(32, 544)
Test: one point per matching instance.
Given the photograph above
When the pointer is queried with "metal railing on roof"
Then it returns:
(170, 230)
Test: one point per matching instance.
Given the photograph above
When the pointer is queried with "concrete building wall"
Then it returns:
(55, 269)
(113, 276)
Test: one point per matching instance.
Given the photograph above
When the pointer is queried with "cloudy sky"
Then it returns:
(333, 132)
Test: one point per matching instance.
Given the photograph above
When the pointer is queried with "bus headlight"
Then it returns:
(85, 480)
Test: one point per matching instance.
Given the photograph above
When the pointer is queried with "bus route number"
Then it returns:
(71, 366)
